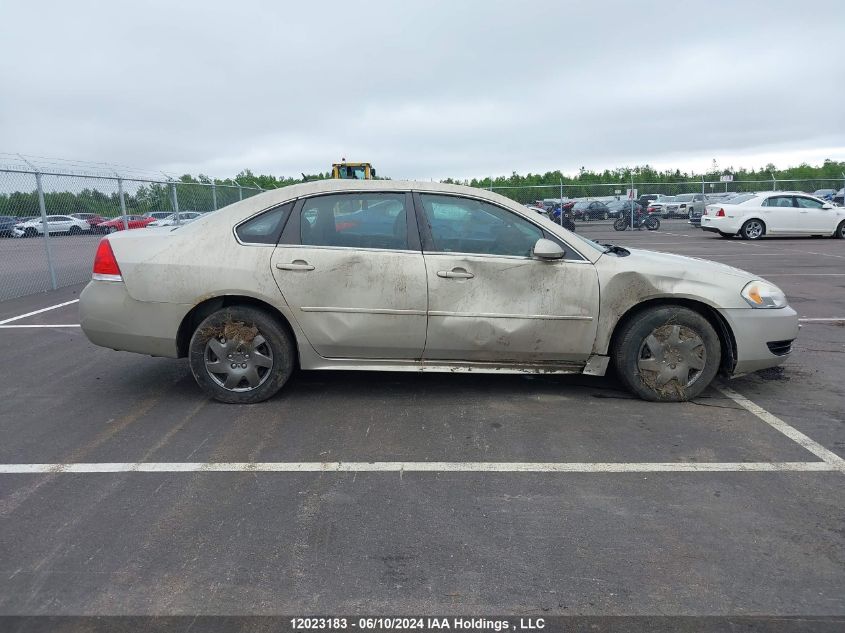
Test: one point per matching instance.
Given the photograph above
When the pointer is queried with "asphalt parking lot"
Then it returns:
(123, 490)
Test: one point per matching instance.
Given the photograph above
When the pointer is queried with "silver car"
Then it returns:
(412, 276)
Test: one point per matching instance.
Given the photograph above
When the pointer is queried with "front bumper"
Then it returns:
(110, 317)
(754, 329)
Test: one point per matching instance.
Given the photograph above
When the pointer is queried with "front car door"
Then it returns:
(813, 217)
(489, 299)
(350, 267)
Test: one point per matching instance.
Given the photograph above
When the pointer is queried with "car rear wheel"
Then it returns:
(667, 353)
(241, 355)
(840, 231)
(752, 230)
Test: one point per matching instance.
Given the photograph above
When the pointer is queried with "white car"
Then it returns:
(185, 217)
(55, 224)
(754, 215)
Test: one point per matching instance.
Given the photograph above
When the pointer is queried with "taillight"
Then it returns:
(720, 213)
(105, 264)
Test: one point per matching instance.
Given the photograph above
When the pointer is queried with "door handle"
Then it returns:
(297, 264)
(455, 273)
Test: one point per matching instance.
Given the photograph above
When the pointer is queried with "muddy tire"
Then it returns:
(667, 354)
(840, 231)
(752, 230)
(241, 355)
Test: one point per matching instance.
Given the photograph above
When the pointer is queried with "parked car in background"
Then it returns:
(648, 198)
(839, 197)
(185, 217)
(93, 219)
(590, 210)
(7, 223)
(618, 208)
(752, 216)
(269, 284)
(118, 224)
(825, 194)
(657, 206)
(688, 205)
(55, 224)
(158, 215)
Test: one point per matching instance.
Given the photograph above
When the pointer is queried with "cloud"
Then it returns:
(423, 90)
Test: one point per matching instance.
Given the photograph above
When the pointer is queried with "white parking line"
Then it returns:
(404, 467)
(825, 320)
(794, 434)
(4, 327)
(34, 312)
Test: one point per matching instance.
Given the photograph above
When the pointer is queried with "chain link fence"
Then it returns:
(50, 223)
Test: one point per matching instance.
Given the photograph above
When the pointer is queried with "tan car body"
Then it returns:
(393, 310)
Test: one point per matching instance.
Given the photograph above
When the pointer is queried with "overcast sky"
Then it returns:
(423, 89)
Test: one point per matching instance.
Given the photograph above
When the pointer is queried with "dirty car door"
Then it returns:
(350, 267)
(490, 299)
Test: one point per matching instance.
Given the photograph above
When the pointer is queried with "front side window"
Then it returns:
(809, 203)
(266, 227)
(355, 220)
(463, 225)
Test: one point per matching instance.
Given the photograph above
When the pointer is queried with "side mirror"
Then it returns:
(827, 205)
(546, 249)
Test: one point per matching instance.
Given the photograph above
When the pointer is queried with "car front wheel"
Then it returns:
(241, 355)
(667, 353)
(840, 231)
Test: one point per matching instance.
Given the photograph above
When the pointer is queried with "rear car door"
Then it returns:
(350, 267)
(781, 215)
(58, 223)
(489, 298)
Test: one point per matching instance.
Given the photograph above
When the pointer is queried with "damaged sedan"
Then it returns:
(412, 276)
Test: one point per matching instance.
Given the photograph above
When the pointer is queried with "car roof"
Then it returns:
(249, 206)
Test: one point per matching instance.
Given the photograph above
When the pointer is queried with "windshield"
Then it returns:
(686, 197)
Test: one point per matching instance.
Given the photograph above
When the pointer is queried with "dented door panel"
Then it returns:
(354, 303)
(510, 309)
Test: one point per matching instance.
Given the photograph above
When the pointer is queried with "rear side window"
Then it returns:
(266, 227)
(779, 201)
(355, 220)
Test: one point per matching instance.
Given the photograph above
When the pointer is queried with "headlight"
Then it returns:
(760, 294)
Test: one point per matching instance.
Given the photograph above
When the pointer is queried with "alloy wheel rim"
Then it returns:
(238, 365)
(672, 352)
(754, 229)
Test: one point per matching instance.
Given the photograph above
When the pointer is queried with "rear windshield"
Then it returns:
(738, 199)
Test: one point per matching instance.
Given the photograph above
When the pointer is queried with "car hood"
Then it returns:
(685, 264)
(648, 274)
